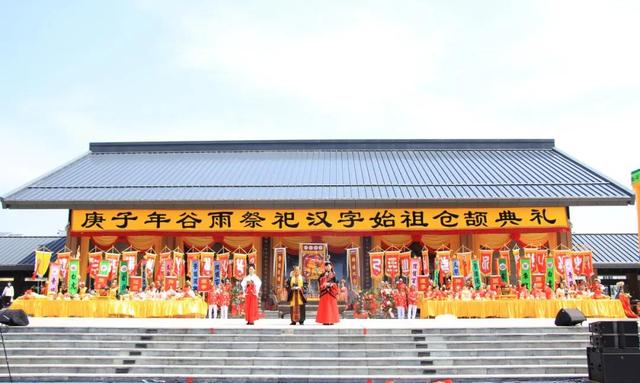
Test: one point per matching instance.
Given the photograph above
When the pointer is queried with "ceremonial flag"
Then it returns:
(457, 283)
(391, 264)
(550, 275)
(54, 278)
(216, 273)
(505, 255)
(568, 270)
(376, 265)
(63, 261)
(475, 270)
(530, 254)
(43, 258)
(577, 262)
(425, 263)
(353, 265)
(252, 257)
(485, 261)
(135, 284)
(559, 256)
(444, 257)
(423, 282)
(163, 266)
(149, 266)
(131, 259)
(195, 273)
(405, 260)
(94, 264)
(103, 275)
(191, 256)
(587, 266)
(178, 264)
(239, 265)
(495, 281)
(123, 280)
(503, 270)
(279, 259)
(223, 258)
(114, 259)
(206, 264)
(415, 270)
(465, 262)
(73, 278)
(455, 265)
(525, 272)
(541, 264)
(538, 280)
(437, 276)
(204, 283)
(170, 283)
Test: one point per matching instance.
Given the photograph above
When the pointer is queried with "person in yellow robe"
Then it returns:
(296, 288)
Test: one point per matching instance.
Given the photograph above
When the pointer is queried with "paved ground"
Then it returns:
(444, 322)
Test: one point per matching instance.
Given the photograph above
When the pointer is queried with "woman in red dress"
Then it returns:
(626, 303)
(251, 286)
(328, 306)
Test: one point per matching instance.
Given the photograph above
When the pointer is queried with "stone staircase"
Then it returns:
(294, 354)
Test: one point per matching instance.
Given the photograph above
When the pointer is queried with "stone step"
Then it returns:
(70, 360)
(294, 378)
(221, 369)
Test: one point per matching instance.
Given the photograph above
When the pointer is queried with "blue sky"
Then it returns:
(75, 72)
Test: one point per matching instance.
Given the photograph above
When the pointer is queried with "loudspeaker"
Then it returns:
(614, 327)
(615, 341)
(14, 317)
(569, 317)
(613, 367)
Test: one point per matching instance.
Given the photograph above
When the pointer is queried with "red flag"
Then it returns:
(485, 261)
(587, 263)
(405, 263)
(541, 263)
(376, 265)
(425, 262)
(94, 264)
(577, 262)
(559, 258)
(239, 265)
(391, 263)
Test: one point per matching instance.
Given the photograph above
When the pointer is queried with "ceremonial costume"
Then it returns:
(251, 286)
(412, 300)
(328, 306)
(212, 301)
(296, 289)
(225, 302)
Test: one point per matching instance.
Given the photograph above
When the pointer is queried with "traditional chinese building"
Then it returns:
(323, 196)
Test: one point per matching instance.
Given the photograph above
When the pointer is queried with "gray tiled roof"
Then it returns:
(611, 250)
(18, 250)
(321, 173)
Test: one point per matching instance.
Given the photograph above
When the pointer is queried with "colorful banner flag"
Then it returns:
(505, 255)
(223, 258)
(54, 278)
(353, 265)
(94, 264)
(455, 267)
(239, 265)
(538, 280)
(457, 283)
(195, 273)
(437, 275)
(391, 264)
(577, 262)
(191, 256)
(525, 272)
(149, 266)
(376, 260)
(550, 275)
(114, 261)
(123, 279)
(559, 256)
(465, 262)
(425, 262)
(178, 264)
(541, 261)
(103, 275)
(423, 283)
(568, 270)
(279, 259)
(135, 284)
(131, 259)
(495, 281)
(475, 271)
(503, 270)
(444, 260)
(73, 277)
(43, 258)
(204, 284)
(163, 266)
(252, 257)
(206, 264)
(415, 270)
(171, 283)
(587, 263)
(216, 273)
(63, 261)
(530, 254)
(405, 263)
(485, 261)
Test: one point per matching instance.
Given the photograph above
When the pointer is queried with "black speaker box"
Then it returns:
(569, 317)
(614, 327)
(14, 317)
(613, 367)
(615, 341)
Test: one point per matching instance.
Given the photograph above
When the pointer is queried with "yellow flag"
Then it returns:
(42, 262)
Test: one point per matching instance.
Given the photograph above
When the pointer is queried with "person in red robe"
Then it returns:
(624, 299)
(328, 306)
(412, 300)
(251, 286)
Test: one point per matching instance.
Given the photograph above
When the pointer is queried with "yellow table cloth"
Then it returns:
(515, 308)
(183, 308)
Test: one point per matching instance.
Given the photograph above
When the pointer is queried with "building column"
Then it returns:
(266, 266)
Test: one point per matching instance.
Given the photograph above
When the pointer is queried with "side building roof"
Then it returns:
(19, 251)
(321, 173)
(610, 250)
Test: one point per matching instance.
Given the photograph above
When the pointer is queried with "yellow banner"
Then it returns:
(304, 220)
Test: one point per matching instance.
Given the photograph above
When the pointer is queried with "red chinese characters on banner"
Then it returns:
(223, 258)
(485, 261)
(376, 260)
(392, 264)
(94, 264)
